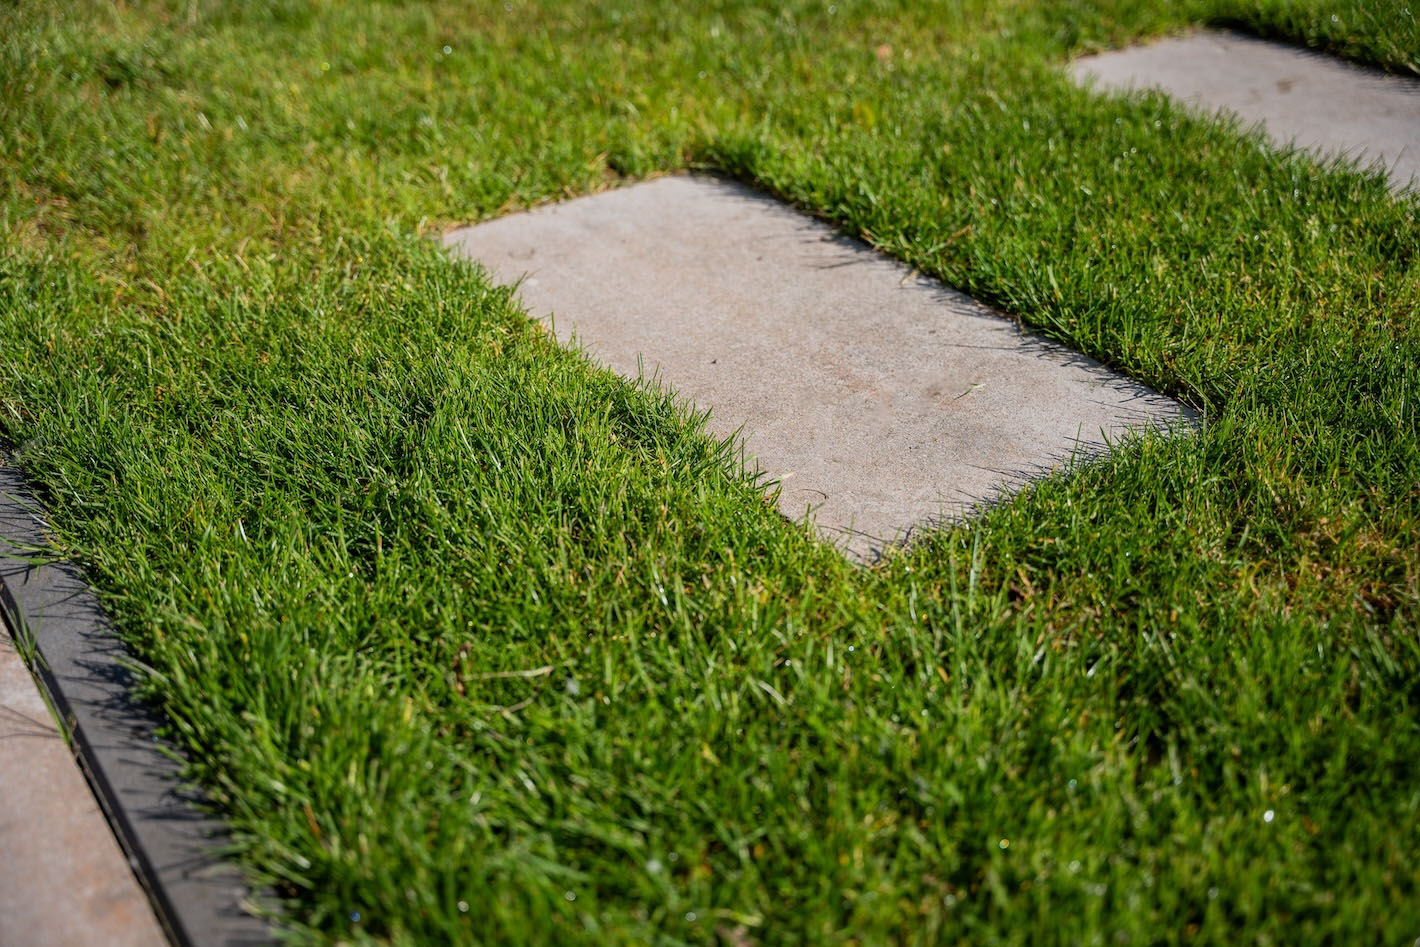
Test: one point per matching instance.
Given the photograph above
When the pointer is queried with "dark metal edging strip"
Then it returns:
(173, 846)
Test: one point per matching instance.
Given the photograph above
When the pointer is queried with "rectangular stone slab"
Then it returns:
(1319, 102)
(879, 399)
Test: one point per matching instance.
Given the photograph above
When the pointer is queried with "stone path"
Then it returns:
(879, 398)
(1320, 102)
(64, 882)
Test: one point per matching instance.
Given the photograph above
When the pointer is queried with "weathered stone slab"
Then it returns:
(879, 398)
(63, 878)
(1317, 101)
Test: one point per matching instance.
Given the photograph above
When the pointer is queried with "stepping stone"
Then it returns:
(1319, 102)
(63, 878)
(880, 399)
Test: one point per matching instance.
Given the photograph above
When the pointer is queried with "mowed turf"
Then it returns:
(471, 641)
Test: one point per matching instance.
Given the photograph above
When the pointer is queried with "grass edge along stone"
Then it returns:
(175, 848)
(876, 401)
(1340, 110)
(52, 832)
(336, 494)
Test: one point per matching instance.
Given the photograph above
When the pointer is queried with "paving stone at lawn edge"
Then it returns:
(1321, 102)
(63, 879)
(878, 398)
(135, 776)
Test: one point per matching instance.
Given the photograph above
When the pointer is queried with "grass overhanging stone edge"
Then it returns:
(174, 846)
(1218, 590)
(1188, 421)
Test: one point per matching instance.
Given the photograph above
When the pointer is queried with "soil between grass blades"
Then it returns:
(348, 503)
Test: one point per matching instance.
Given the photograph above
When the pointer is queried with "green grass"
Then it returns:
(475, 642)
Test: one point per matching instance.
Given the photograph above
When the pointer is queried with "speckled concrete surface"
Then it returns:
(880, 399)
(1323, 103)
(63, 880)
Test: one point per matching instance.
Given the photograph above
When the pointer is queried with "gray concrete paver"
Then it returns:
(1323, 103)
(64, 881)
(881, 399)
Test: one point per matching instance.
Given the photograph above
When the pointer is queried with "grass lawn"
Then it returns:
(472, 641)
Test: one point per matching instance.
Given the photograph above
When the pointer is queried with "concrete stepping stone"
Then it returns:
(880, 399)
(63, 878)
(1320, 102)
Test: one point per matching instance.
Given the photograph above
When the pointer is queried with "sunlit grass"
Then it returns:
(474, 642)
